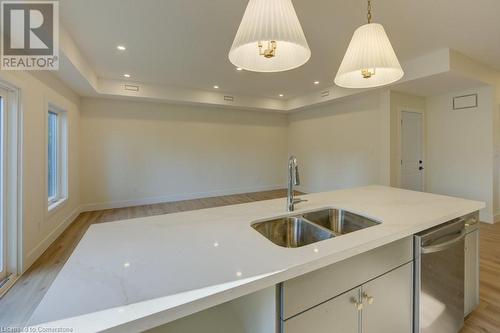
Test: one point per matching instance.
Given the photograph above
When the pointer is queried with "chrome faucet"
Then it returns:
(293, 179)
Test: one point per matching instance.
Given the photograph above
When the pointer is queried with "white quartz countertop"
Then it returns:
(140, 273)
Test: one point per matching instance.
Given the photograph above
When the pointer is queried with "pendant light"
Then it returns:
(270, 38)
(370, 60)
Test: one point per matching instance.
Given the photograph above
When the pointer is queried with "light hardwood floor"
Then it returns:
(19, 303)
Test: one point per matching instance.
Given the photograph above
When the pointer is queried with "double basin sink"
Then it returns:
(311, 227)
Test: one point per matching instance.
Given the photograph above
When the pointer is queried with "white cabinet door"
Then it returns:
(304, 292)
(388, 302)
(339, 315)
(471, 282)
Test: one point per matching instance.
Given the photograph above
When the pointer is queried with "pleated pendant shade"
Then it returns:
(370, 60)
(267, 21)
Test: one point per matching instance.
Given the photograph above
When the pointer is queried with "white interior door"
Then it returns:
(3, 231)
(412, 163)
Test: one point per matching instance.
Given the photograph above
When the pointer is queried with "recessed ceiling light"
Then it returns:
(316, 82)
(239, 68)
(216, 87)
(281, 95)
(121, 47)
(126, 75)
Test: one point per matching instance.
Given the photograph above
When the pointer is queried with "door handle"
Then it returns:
(444, 245)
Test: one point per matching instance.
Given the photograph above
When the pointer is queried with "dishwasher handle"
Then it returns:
(444, 245)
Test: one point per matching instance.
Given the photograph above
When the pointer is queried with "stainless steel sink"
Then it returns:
(312, 227)
(292, 231)
(341, 222)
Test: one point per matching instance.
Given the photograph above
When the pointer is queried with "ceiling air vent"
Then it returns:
(130, 87)
(465, 102)
(229, 98)
(325, 93)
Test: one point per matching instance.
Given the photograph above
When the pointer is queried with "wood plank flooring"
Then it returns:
(19, 303)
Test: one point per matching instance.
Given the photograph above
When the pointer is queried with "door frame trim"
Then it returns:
(400, 139)
(13, 184)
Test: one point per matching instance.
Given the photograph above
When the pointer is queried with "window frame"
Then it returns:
(61, 156)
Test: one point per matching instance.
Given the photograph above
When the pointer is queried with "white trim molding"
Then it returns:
(62, 157)
(12, 173)
(43, 245)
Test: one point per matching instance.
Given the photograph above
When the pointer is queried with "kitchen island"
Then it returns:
(142, 273)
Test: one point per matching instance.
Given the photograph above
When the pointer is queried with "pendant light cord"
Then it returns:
(369, 14)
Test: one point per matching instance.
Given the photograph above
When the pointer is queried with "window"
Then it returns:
(56, 157)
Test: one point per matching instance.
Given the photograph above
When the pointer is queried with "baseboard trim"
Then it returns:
(496, 218)
(10, 281)
(34, 254)
(173, 198)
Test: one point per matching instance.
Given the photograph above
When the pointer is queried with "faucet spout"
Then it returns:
(293, 179)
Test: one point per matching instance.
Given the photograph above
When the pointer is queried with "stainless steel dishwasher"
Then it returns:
(439, 278)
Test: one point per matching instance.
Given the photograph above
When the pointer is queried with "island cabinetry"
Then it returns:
(306, 291)
(368, 293)
(471, 276)
(371, 292)
(384, 304)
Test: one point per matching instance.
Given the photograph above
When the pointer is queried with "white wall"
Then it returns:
(340, 145)
(460, 148)
(142, 152)
(38, 227)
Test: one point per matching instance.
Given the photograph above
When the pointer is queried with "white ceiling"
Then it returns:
(184, 43)
(437, 84)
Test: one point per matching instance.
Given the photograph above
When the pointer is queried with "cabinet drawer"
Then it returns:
(306, 291)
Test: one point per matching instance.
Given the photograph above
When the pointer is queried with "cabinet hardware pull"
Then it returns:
(358, 305)
(368, 299)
